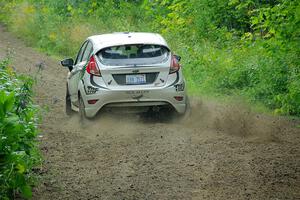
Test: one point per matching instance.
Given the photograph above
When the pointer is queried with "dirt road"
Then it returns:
(220, 152)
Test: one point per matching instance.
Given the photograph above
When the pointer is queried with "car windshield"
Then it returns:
(133, 54)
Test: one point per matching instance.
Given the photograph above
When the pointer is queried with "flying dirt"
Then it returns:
(220, 151)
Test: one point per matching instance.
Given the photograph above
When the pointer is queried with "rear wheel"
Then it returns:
(68, 106)
(82, 114)
(187, 112)
(167, 113)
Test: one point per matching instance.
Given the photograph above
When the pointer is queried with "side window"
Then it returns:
(87, 52)
(80, 53)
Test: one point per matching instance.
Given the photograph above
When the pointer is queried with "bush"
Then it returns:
(18, 131)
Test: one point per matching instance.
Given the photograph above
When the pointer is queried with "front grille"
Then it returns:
(121, 78)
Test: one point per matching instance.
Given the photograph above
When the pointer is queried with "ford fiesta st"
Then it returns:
(125, 70)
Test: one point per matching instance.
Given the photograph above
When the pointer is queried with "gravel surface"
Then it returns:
(219, 152)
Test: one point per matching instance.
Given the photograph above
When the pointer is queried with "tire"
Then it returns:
(82, 114)
(68, 107)
(166, 114)
(187, 112)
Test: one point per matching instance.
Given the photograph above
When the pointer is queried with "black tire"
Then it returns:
(68, 107)
(188, 109)
(82, 114)
(167, 114)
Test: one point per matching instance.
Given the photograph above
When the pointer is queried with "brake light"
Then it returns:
(175, 66)
(92, 67)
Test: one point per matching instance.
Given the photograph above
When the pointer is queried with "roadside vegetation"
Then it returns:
(248, 49)
(18, 131)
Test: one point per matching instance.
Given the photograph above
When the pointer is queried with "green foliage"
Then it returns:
(18, 131)
(248, 48)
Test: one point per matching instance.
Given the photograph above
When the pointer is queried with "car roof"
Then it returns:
(123, 38)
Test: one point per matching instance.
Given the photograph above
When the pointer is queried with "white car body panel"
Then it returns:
(116, 39)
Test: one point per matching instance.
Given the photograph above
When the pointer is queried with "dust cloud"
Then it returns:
(234, 119)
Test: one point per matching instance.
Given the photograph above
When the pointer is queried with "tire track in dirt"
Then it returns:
(219, 152)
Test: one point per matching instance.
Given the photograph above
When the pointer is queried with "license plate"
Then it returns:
(134, 79)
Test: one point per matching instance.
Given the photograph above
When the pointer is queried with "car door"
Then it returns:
(80, 62)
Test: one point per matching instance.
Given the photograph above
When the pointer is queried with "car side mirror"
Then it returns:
(69, 62)
(178, 57)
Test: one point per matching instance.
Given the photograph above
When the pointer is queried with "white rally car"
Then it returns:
(129, 70)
